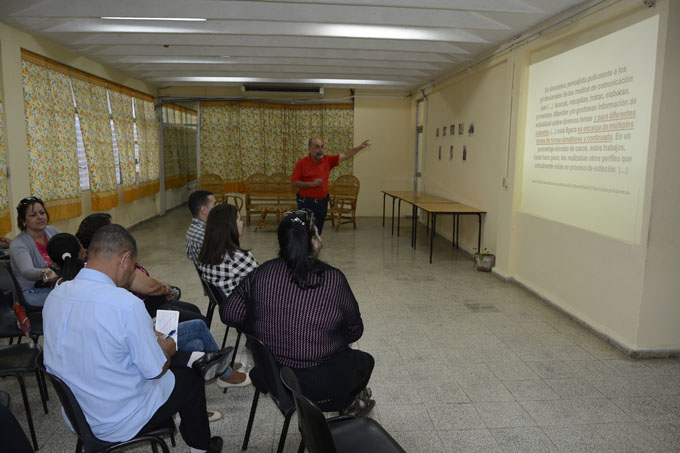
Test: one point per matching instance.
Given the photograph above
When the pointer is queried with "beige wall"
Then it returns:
(481, 97)
(388, 163)
(11, 43)
(625, 291)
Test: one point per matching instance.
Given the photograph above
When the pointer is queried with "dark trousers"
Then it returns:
(334, 384)
(187, 311)
(318, 206)
(187, 398)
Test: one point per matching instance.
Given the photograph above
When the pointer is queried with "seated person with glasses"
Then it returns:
(28, 253)
(304, 311)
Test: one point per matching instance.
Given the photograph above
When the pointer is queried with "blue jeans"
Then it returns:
(194, 335)
(35, 297)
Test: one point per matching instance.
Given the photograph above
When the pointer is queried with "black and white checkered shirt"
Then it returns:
(194, 239)
(229, 273)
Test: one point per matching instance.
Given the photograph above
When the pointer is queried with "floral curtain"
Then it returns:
(51, 137)
(121, 110)
(220, 143)
(148, 143)
(242, 138)
(96, 130)
(5, 218)
(179, 146)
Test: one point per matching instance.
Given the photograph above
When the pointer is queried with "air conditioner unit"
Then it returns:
(282, 89)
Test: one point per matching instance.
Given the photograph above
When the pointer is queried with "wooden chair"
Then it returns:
(213, 183)
(235, 200)
(257, 193)
(344, 201)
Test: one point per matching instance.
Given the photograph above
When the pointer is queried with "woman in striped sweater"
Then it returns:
(305, 312)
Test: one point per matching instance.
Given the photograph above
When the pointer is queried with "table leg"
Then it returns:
(457, 229)
(415, 226)
(384, 195)
(398, 217)
(432, 233)
(427, 225)
(393, 198)
(479, 234)
(453, 231)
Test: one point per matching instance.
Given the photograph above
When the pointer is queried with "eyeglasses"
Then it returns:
(30, 200)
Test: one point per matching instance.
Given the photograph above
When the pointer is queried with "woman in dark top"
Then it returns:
(305, 312)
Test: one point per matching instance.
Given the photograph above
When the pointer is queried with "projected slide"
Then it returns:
(587, 133)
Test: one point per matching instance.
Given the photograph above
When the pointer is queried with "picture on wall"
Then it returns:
(461, 129)
(444, 131)
(440, 152)
(436, 134)
(471, 129)
(452, 129)
(464, 153)
(451, 153)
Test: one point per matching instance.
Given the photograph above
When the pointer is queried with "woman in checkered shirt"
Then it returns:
(222, 261)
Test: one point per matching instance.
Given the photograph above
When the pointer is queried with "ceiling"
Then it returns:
(379, 44)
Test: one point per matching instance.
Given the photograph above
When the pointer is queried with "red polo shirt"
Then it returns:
(307, 170)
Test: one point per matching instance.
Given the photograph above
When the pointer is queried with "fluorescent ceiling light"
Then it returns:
(180, 19)
(272, 80)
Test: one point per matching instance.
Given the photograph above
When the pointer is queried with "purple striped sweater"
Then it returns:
(302, 328)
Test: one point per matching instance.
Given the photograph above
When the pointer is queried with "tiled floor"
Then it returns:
(464, 362)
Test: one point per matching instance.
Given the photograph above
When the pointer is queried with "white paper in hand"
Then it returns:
(166, 322)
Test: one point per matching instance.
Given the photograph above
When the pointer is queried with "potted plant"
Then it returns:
(484, 261)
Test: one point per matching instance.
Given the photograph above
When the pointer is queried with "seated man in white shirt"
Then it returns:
(100, 340)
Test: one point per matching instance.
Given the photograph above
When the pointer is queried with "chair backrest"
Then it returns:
(213, 183)
(74, 413)
(258, 183)
(213, 297)
(237, 201)
(346, 185)
(9, 282)
(268, 371)
(316, 434)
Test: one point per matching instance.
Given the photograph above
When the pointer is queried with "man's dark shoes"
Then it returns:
(213, 363)
(215, 444)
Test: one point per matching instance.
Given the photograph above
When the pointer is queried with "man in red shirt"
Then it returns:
(310, 177)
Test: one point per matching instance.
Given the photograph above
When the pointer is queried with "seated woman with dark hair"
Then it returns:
(305, 312)
(222, 261)
(157, 295)
(28, 256)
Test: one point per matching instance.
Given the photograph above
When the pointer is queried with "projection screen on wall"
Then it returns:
(587, 133)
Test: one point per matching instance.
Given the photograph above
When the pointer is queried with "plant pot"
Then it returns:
(485, 262)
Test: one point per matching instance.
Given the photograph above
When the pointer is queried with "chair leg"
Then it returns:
(253, 408)
(172, 439)
(284, 432)
(79, 446)
(28, 412)
(233, 357)
(301, 448)
(42, 389)
(224, 340)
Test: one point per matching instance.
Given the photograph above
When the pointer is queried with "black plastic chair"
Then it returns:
(337, 434)
(265, 377)
(88, 440)
(8, 282)
(13, 437)
(17, 360)
(8, 319)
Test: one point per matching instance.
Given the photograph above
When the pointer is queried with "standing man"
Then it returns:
(100, 340)
(310, 177)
